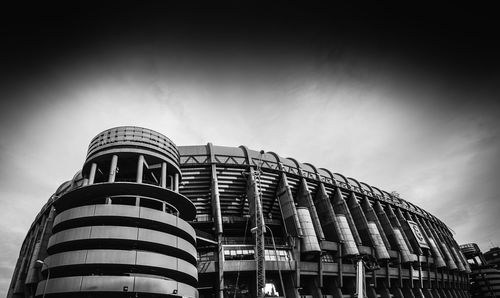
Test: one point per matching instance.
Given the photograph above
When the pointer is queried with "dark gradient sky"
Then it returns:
(405, 99)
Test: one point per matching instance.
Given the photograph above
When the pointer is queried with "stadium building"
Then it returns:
(147, 218)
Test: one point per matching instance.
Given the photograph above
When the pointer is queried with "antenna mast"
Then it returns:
(259, 230)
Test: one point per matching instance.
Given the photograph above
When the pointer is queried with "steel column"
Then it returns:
(93, 169)
(164, 174)
(140, 169)
(113, 168)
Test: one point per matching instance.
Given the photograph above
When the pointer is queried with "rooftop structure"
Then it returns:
(485, 276)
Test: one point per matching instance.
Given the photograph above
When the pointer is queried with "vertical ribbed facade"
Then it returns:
(318, 223)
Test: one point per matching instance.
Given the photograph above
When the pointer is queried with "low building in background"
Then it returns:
(492, 256)
(485, 277)
(147, 218)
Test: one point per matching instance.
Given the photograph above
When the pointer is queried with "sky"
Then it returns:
(392, 102)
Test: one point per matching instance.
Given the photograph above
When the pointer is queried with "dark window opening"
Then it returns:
(130, 201)
(153, 204)
(127, 169)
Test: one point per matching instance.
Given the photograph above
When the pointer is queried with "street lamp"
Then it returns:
(41, 263)
(277, 263)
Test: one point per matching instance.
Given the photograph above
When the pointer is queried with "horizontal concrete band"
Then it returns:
(249, 265)
(349, 270)
(121, 257)
(166, 149)
(136, 136)
(127, 211)
(186, 208)
(122, 233)
(122, 284)
(312, 268)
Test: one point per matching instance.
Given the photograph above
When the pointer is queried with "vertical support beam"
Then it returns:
(316, 287)
(113, 168)
(388, 275)
(446, 249)
(216, 209)
(164, 174)
(436, 277)
(431, 239)
(360, 279)
(291, 221)
(407, 231)
(93, 169)
(140, 169)
(429, 279)
(386, 225)
(287, 208)
(384, 291)
(257, 217)
(399, 231)
(340, 207)
(217, 215)
(176, 182)
(305, 199)
(462, 257)
(451, 246)
(410, 270)
(371, 215)
(377, 235)
(408, 289)
(341, 268)
(369, 231)
(420, 279)
(320, 272)
(327, 217)
(400, 273)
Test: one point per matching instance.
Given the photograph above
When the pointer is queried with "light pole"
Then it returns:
(277, 263)
(48, 275)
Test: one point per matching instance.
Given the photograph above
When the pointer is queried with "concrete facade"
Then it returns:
(117, 229)
(145, 218)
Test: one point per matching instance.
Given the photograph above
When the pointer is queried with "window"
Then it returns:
(327, 258)
(152, 204)
(278, 255)
(130, 201)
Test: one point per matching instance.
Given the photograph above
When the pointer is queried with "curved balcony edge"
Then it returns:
(176, 268)
(118, 284)
(124, 211)
(123, 234)
(187, 209)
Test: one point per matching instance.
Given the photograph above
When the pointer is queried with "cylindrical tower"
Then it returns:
(124, 230)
